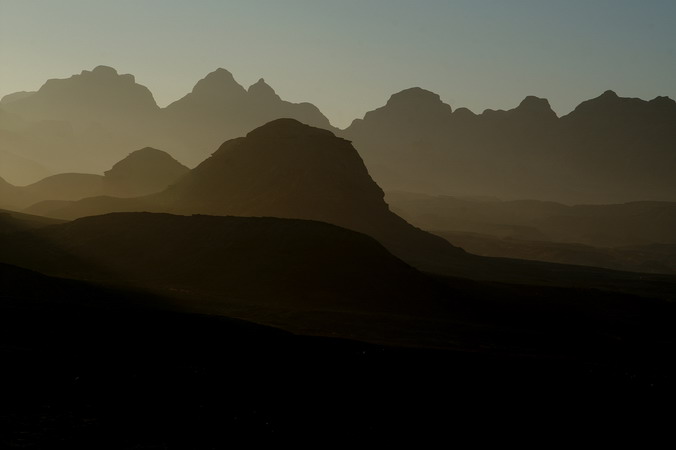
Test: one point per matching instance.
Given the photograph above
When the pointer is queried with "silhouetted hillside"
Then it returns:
(101, 95)
(142, 172)
(83, 123)
(609, 149)
(11, 221)
(283, 169)
(289, 169)
(304, 264)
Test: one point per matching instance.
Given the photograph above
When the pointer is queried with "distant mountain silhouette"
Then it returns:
(142, 172)
(637, 236)
(88, 121)
(101, 95)
(609, 149)
(82, 123)
(218, 108)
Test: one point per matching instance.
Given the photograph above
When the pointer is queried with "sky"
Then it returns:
(347, 57)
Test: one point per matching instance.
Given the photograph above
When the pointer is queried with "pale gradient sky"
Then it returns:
(348, 57)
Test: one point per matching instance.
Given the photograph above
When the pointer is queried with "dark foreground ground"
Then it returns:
(82, 369)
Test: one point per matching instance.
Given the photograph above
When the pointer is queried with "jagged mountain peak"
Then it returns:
(609, 107)
(536, 106)
(102, 71)
(218, 83)
(288, 128)
(262, 90)
(414, 95)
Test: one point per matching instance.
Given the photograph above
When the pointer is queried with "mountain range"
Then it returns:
(608, 150)
(126, 291)
(291, 170)
(88, 121)
(282, 169)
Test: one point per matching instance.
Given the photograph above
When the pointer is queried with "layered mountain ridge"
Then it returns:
(608, 150)
(88, 121)
(142, 172)
(283, 169)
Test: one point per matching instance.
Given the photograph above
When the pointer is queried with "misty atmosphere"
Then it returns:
(368, 250)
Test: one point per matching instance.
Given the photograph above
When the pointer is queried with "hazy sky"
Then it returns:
(348, 57)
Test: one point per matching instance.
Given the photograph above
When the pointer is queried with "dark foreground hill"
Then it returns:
(11, 221)
(314, 277)
(87, 366)
(293, 264)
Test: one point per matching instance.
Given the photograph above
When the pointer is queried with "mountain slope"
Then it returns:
(11, 221)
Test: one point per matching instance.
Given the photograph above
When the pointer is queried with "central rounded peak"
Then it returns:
(414, 94)
(262, 90)
(219, 73)
(220, 81)
(287, 127)
(104, 71)
(536, 105)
